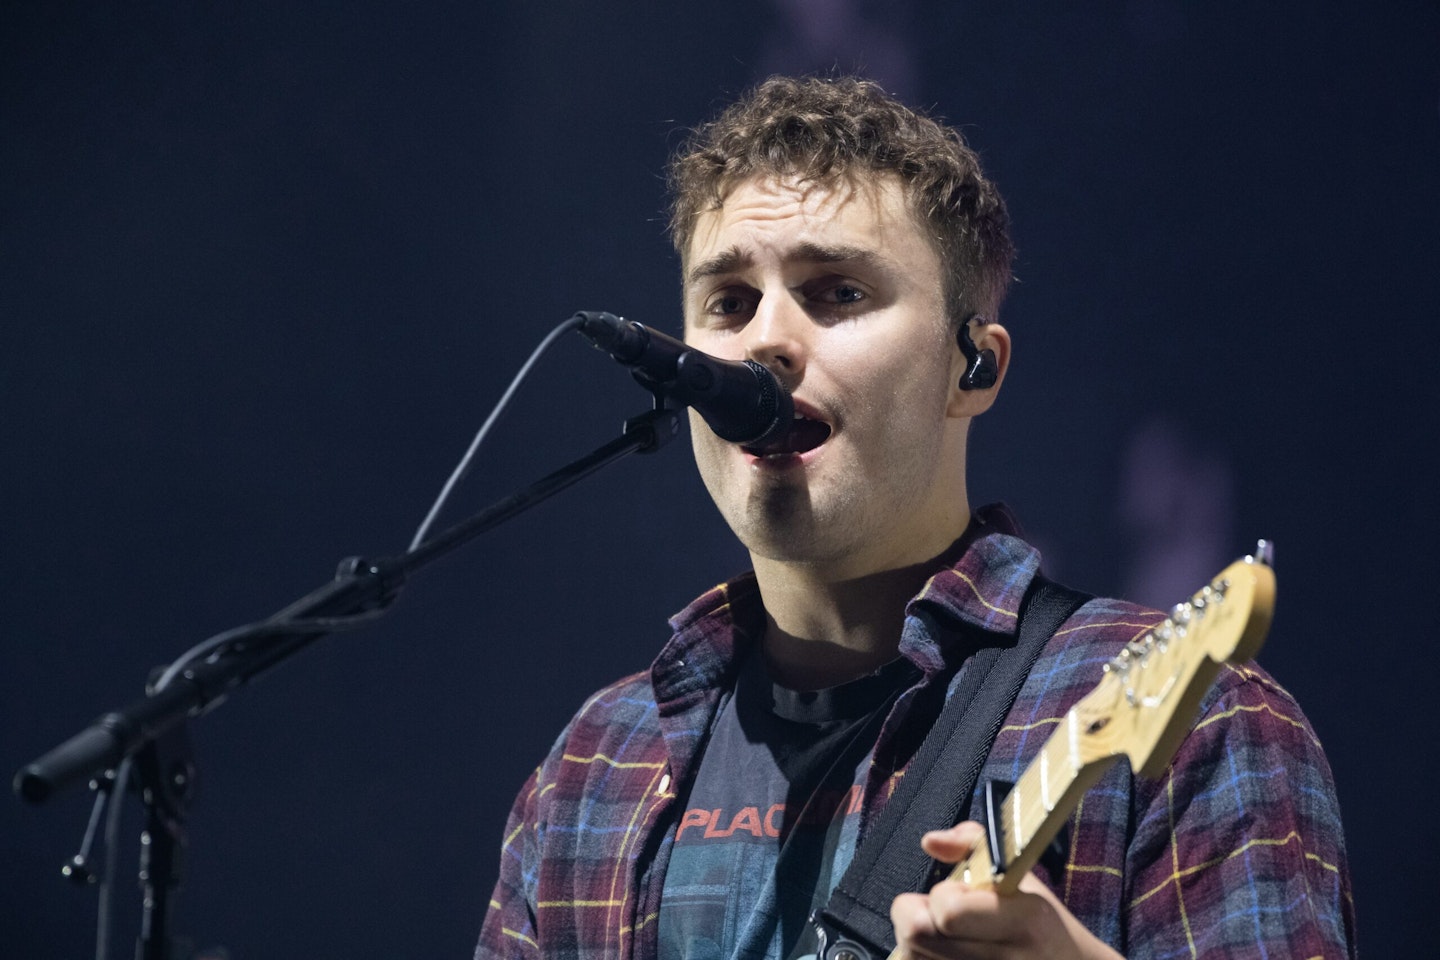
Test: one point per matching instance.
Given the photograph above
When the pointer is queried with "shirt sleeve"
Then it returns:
(509, 928)
(1238, 850)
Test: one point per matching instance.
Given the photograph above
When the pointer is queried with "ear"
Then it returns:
(985, 336)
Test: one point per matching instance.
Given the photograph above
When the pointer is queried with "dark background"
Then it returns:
(264, 267)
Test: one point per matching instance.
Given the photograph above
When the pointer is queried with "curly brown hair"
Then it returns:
(820, 130)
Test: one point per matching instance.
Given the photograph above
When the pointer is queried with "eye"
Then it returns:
(727, 304)
(838, 293)
(730, 304)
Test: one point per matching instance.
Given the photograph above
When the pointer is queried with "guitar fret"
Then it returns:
(1017, 840)
(1072, 727)
(1045, 779)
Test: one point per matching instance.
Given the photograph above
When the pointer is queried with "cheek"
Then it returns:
(914, 379)
(720, 344)
(706, 447)
(698, 433)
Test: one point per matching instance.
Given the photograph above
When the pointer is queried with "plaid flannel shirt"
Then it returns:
(1236, 851)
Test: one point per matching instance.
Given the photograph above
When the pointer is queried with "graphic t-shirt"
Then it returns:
(772, 820)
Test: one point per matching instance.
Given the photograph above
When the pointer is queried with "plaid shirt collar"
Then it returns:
(979, 584)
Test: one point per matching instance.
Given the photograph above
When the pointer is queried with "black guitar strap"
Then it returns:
(855, 924)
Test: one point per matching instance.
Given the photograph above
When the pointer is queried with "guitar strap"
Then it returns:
(855, 923)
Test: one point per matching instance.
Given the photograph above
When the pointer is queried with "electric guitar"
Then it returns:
(1141, 709)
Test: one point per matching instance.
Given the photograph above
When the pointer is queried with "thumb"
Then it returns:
(954, 844)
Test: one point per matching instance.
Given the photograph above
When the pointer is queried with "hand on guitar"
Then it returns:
(957, 921)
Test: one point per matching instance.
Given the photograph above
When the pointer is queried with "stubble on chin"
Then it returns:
(775, 516)
(782, 522)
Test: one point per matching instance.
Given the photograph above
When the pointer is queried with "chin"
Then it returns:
(779, 523)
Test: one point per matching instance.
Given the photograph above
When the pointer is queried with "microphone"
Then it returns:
(741, 401)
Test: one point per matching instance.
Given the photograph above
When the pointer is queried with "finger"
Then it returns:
(954, 844)
(916, 936)
(1033, 884)
(1054, 918)
(910, 916)
(959, 912)
(919, 938)
(956, 921)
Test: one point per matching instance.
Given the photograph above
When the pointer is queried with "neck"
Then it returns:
(825, 627)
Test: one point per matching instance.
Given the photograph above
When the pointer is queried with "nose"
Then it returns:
(777, 337)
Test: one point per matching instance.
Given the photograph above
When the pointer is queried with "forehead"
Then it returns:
(776, 215)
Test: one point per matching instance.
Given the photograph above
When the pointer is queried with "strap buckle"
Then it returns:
(833, 944)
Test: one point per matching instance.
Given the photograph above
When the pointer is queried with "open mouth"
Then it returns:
(803, 436)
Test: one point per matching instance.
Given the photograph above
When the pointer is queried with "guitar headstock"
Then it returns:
(1141, 709)
(1150, 691)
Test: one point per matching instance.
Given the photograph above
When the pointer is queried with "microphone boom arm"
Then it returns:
(360, 587)
(361, 590)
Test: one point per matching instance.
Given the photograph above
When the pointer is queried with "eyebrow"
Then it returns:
(728, 261)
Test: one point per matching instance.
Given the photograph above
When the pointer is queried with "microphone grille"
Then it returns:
(776, 411)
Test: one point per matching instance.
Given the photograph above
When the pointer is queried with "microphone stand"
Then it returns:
(152, 729)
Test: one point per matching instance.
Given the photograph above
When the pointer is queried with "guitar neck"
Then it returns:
(1141, 709)
(1031, 814)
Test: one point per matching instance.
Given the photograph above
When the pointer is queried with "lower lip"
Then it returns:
(786, 461)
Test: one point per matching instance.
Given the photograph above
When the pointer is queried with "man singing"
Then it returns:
(705, 808)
